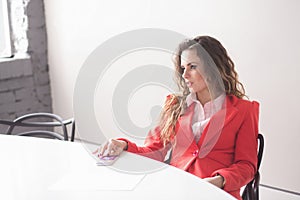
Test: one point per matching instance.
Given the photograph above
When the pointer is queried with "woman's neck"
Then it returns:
(203, 97)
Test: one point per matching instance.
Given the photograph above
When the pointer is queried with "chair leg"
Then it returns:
(73, 131)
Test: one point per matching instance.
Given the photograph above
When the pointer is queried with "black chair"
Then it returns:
(251, 191)
(4, 124)
(73, 131)
(26, 121)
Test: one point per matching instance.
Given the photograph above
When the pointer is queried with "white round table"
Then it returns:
(35, 169)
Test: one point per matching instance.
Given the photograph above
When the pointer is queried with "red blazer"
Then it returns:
(227, 146)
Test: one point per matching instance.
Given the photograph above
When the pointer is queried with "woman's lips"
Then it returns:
(189, 84)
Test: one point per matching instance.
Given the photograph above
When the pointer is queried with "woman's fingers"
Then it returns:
(116, 147)
(103, 148)
(96, 151)
(111, 148)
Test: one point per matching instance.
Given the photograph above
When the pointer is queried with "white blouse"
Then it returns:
(202, 114)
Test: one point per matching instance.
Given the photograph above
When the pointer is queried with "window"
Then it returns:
(5, 42)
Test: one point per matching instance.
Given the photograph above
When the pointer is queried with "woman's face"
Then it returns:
(191, 65)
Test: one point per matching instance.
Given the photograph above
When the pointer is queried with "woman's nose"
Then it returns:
(185, 73)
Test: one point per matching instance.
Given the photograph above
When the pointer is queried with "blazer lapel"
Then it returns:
(184, 134)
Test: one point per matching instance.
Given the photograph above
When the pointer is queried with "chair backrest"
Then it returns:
(251, 191)
(53, 121)
(4, 124)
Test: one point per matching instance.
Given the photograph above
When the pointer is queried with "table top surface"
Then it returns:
(35, 168)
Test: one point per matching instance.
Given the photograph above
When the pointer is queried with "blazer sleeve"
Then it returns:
(153, 146)
(244, 166)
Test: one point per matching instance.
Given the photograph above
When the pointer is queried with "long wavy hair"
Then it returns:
(219, 72)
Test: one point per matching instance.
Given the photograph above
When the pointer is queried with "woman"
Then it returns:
(211, 129)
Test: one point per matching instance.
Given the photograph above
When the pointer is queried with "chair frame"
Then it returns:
(251, 191)
(21, 122)
(6, 122)
(73, 130)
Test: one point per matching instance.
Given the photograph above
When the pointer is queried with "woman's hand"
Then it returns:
(216, 180)
(111, 148)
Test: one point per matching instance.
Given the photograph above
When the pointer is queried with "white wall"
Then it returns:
(262, 38)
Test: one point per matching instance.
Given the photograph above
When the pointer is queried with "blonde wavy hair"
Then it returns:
(217, 63)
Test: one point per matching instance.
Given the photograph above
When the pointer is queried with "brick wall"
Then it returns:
(24, 82)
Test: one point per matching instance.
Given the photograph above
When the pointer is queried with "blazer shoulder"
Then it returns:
(244, 102)
(249, 103)
(245, 105)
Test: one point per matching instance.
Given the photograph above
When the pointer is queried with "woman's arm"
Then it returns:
(153, 146)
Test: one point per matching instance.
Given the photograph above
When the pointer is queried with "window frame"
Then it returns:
(5, 36)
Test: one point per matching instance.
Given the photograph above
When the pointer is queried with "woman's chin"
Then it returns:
(191, 90)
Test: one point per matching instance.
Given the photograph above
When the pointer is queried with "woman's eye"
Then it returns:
(193, 66)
